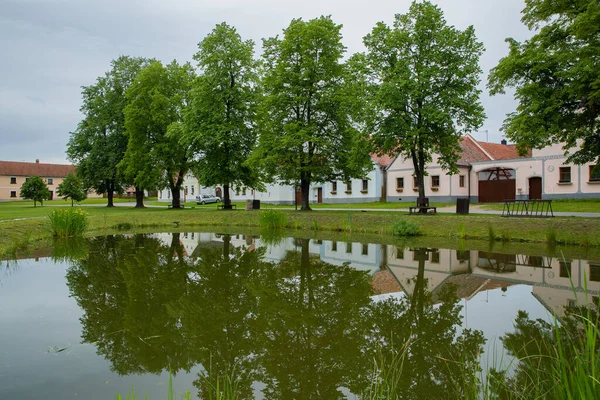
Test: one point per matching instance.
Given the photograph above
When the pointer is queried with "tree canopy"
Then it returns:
(99, 142)
(421, 78)
(306, 132)
(155, 157)
(556, 77)
(220, 122)
(72, 188)
(35, 189)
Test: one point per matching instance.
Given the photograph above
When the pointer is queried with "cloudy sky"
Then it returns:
(50, 48)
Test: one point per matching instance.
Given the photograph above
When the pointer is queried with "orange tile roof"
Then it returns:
(500, 151)
(15, 168)
(383, 160)
(470, 151)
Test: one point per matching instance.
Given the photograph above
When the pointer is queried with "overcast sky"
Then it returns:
(50, 48)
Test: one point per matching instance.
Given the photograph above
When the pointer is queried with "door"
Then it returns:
(51, 195)
(535, 188)
(319, 195)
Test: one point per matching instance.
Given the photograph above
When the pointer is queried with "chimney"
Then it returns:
(504, 142)
(37, 160)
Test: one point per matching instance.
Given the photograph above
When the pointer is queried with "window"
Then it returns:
(565, 269)
(13, 180)
(26, 179)
(365, 185)
(399, 183)
(333, 187)
(237, 191)
(50, 181)
(435, 257)
(365, 249)
(192, 193)
(348, 247)
(594, 173)
(348, 187)
(186, 190)
(595, 272)
(13, 193)
(461, 180)
(334, 246)
(399, 253)
(435, 181)
(565, 175)
(415, 183)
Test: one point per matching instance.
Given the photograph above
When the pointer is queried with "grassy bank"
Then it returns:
(571, 231)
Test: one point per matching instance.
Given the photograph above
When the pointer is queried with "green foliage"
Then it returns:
(555, 77)
(35, 189)
(462, 231)
(306, 131)
(72, 188)
(99, 142)
(406, 228)
(155, 157)
(420, 79)
(219, 123)
(558, 361)
(67, 222)
(491, 233)
(273, 219)
(551, 235)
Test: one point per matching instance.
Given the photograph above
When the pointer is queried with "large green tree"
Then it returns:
(306, 132)
(72, 188)
(556, 77)
(421, 85)
(220, 122)
(35, 189)
(155, 156)
(99, 143)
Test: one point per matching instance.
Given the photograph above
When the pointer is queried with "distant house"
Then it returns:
(494, 172)
(13, 174)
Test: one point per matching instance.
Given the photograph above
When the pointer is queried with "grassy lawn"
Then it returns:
(572, 205)
(103, 220)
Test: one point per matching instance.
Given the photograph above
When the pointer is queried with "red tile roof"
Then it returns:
(15, 168)
(383, 160)
(470, 151)
(500, 151)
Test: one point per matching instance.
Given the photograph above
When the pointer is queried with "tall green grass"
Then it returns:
(68, 222)
(272, 219)
(406, 228)
(170, 394)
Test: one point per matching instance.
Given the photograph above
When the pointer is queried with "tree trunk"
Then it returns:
(305, 188)
(139, 197)
(226, 198)
(226, 241)
(176, 192)
(111, 194)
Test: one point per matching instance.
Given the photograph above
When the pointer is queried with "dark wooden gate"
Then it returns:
(298, 195)
(497, 191)
(535, 188)
(319, 195)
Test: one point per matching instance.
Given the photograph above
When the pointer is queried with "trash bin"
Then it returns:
(256, 204)
(249, 205)
(462, 205)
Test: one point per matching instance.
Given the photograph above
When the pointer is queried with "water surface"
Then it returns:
(295, 319)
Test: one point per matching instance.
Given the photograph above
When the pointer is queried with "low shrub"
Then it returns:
(272, 219)
(68, 222)
(406, 228)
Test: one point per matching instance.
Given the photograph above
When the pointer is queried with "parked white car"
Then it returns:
(207, 198)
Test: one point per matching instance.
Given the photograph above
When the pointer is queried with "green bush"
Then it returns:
(272, 219)
(406, 228)
(68, 222)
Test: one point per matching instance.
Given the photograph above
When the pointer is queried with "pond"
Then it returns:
(283, 318)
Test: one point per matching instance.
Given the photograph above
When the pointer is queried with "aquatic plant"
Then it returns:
(67, 222)
(272, 219)
(406, 228)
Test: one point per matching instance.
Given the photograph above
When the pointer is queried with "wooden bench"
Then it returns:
(422, 206)
(221, 206)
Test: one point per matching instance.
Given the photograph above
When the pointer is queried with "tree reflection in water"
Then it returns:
(304, 328)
